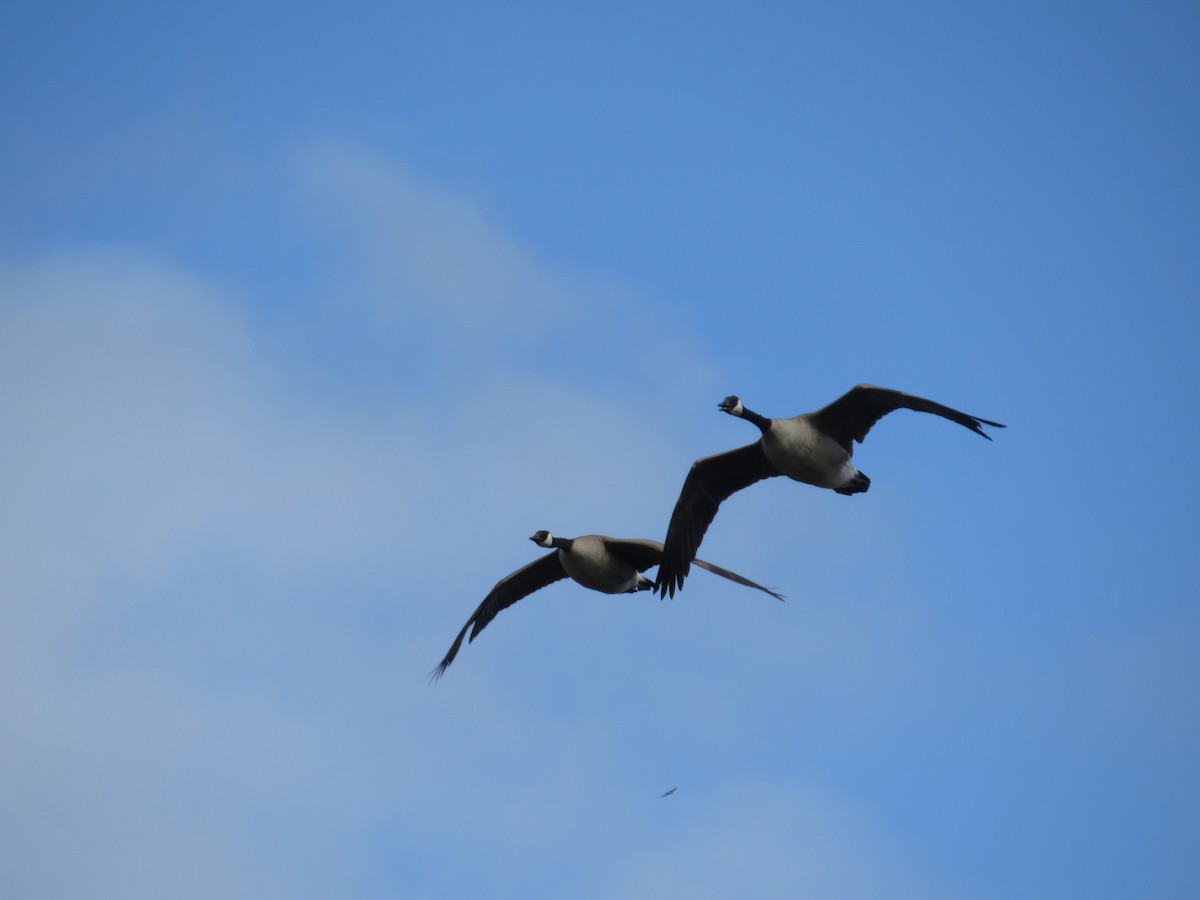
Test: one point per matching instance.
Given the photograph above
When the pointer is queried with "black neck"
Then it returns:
(762, 422)
(562, 543)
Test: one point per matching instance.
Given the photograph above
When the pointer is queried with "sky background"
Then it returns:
(310, 314)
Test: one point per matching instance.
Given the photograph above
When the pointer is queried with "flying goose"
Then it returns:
(814, 448)
(602, 563)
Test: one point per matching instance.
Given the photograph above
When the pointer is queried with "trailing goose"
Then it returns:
(814, 448)
(596, 561)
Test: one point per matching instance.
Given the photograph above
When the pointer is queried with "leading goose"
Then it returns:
(814, 448)
(602, 563)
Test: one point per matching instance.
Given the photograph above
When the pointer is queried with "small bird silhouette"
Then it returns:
(669, 793)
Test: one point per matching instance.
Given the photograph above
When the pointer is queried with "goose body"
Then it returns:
(803, 452)
(596, 561)
(815, 448)
(592, 562)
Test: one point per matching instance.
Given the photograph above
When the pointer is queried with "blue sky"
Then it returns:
(311, 315)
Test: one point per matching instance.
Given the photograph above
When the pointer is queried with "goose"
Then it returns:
(596, 561)
(814, 448)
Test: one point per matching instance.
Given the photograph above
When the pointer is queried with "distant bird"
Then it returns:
(668, 793)
(602, 563)
(814, 448)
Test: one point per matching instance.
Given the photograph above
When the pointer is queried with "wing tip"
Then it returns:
(979, 423)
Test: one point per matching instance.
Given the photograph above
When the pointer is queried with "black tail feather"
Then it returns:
(856, 485)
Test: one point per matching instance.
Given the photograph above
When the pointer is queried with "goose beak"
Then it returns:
(728, 405)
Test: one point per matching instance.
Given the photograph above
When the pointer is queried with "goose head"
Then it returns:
(542, 538)
(731, 405)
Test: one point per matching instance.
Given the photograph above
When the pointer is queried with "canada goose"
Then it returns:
(814, 448)
(602, 563)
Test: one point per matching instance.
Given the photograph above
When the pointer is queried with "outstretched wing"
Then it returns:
(508, 590)
(850, 416)
(709, 482)
(734, 576)
(644, 554)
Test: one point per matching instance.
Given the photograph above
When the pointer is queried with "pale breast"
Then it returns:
(803, 453)
(589, 563)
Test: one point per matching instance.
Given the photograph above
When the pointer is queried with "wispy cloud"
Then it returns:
(424, 248)
(168, 500)
(224, 587)
(442, 277)
(195, 544)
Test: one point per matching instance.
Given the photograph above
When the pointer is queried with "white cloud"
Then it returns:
(428, 247)
(176, 507)
(434, 272)
(165, 501)
(147, 423)
(224, 588)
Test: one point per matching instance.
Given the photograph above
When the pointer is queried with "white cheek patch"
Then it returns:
(738, 409)
(547, 541)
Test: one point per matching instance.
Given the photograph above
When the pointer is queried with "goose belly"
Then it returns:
(590, 564)
(802, 453)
